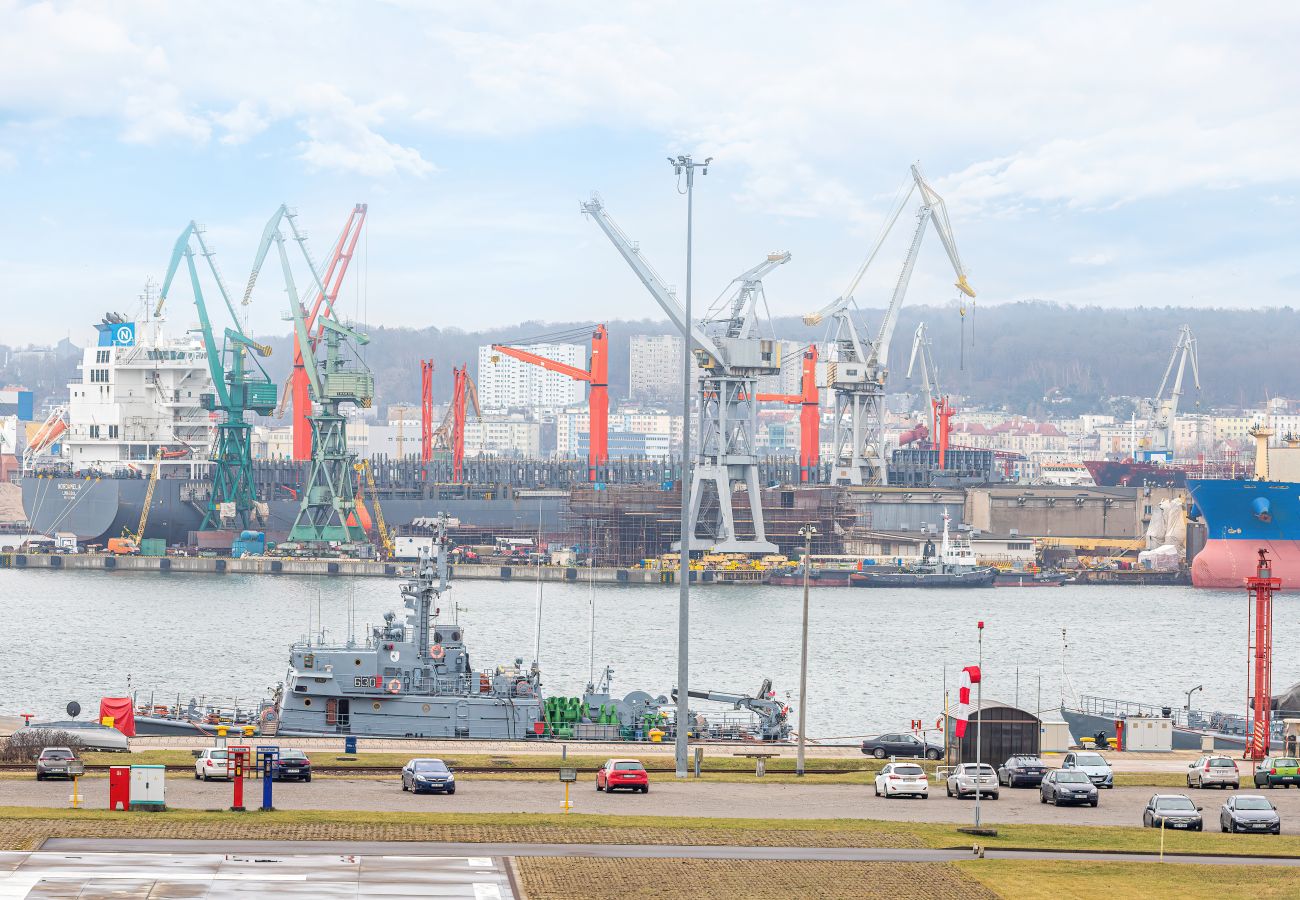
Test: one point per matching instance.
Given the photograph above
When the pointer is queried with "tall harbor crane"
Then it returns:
(597, 375)
(731, 358)
(327, 291)
(236, 392)
(809, 416)
(858, 372)
(929, 373)
(1163, 408)
(328, 510)
(450, 435)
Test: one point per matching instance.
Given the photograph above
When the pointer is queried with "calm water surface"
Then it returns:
(878, 657)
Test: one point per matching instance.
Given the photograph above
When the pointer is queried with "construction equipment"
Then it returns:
(731, 358)
(327, 291)
(328, 511)
(1259, 627)
(1157, 443)
(597, 375)
(381, 527)
(426, 411)
(450, 435)
(773, 715)
(129, 542)
(236, 391)
(809, 416)
(858, 372)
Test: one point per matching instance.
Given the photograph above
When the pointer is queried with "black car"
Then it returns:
(293, 765)
(887, 745)
(1172, 811)
(431, 775)
(1022, 770)
(1060, 787)
(1249, 813)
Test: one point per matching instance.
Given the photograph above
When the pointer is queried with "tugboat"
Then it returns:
(956, 566)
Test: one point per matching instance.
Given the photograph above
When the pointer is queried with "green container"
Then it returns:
(153, 547)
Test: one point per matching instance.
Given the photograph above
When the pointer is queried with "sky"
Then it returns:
(1114, 154)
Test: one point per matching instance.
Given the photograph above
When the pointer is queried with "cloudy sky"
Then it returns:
(1115, 154)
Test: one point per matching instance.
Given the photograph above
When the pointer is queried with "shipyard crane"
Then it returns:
(859, 371)
(1164, 407)
(381, 527)
(236, 391)
(941, 410)
(809, 416)
(596, 375)
(450, 435)
(328, 510)
(731, 359)
(326, 293)
(426, 413)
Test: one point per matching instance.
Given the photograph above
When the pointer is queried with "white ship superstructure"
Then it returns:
(139, 392)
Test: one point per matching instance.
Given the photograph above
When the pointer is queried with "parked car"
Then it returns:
(60, 761)
(1249, 813)
(293, 765)
(212, 763)
(898, 779)
(1216, 771)
(1062, 786)
(432, 775)
(887, 745)
(619, 774)
(1172, 811)
(1018, 770)
(1275, 770)
(1093, 765)
(968, 778)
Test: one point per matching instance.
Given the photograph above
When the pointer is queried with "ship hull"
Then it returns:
(975, 579)
(1241, 518)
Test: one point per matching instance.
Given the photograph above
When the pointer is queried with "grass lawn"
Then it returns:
(1062, 880)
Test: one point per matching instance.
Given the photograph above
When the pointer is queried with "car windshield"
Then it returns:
(908, 770)
(1253, 803)
(1222, 764)
(628, 767)
(1072, 778)
(1089, 759)
(293, 756)
(982, 769)
(430, 765)
(217, 754)
(57, 754)
(1175, 804)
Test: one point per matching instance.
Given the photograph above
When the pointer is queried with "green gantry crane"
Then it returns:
(237, 390)
(328, 510)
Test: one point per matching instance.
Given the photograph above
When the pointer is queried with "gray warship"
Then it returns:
(415, 679)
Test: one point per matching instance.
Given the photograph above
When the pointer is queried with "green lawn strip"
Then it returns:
(1062, 879)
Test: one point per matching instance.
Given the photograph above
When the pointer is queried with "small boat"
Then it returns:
(955, 567)
(816, 578)
(90, 735)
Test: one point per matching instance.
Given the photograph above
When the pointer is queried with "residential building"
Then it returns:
(654, 367)
(507, 383)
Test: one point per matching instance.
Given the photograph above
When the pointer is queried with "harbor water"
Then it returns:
(878, 658)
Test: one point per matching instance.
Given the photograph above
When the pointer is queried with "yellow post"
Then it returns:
(566, 798)
(1162, 840)
(75, 799)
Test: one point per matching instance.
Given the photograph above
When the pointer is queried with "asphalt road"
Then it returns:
(261, 872)
(757, 799)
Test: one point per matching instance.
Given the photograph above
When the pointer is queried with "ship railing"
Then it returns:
(1111, 708)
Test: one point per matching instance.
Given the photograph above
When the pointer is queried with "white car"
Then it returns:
(1093, 765)
(212, 763)
(969, 778)
(898, 779)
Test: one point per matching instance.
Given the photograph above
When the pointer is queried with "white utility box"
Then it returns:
(147, 784)
(1149, 734)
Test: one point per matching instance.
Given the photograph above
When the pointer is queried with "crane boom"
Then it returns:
(543, 362)
(736, 315)
(939, 212)
(929, 377)
(879, 356)
(665, 296)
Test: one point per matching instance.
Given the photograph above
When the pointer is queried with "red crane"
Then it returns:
(597, 398)
(809, 415)
(941, 417)
(450, 435)
(1259, 693)
(426, 410)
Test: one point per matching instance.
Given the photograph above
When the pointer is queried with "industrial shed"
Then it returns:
(1007, 730)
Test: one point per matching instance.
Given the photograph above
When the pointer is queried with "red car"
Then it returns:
(618, 774)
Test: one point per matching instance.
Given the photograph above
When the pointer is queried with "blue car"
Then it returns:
(428, 776)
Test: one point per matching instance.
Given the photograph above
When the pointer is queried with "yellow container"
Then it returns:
(656, 736)
(107, 721)
(221, 730)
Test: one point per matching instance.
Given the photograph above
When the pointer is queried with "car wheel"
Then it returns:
(949, 790)
(876, 788)
(196, 774)
(879, 753)
(1093, 803)
(203, 776)
(932, 754)
(993, 796)
(598, 787)
(1042, 798)
(451, 790)
(404, 787)
(1189, 781)
(645, 789)
(40, 777)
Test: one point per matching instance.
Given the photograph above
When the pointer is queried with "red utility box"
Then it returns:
(119, 787)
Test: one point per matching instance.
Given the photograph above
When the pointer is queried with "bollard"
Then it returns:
(699, 758)
(75, 797)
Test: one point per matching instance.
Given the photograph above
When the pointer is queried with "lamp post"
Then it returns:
(979, 725)
(806, 533)
(1199, 687)
(684, 165)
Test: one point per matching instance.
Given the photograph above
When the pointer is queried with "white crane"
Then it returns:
(929, 373)
(858, 373)
(1164, 407)
(731, 359)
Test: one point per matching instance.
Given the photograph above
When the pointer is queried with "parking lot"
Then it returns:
(667, 797)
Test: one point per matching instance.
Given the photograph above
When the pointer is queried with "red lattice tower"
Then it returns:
(1259, 689)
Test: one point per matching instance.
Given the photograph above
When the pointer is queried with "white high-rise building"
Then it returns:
(654, 367)
(507, 383)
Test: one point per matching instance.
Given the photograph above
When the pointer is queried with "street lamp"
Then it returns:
(1199, 687)
(685, 165)
(979, 726)
(806, 533)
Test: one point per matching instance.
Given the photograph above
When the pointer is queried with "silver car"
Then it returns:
(968, 778)
(58, 762)
(1214, 771)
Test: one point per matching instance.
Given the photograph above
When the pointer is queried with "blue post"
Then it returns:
(268, 779)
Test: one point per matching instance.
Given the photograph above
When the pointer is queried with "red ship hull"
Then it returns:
(1228, 563)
